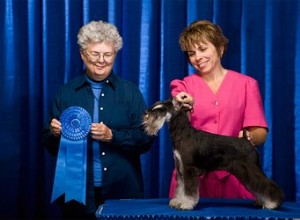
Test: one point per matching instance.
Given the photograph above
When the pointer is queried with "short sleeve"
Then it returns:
(254, 111)
(177, 86)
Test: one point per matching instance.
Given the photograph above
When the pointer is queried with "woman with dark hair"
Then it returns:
(223, 102)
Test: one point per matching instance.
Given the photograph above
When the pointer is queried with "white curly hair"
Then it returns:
(98, 32)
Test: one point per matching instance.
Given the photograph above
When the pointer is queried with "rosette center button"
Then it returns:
(75, 123)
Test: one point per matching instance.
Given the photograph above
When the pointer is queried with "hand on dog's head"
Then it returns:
(181, 106)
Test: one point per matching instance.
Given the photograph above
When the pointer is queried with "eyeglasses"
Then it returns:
(95, 56)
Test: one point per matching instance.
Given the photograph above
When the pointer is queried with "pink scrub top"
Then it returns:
(236, 105)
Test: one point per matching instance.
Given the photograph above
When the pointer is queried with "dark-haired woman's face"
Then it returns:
(204, 57)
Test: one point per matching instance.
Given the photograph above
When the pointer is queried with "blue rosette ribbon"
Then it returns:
(70, 172)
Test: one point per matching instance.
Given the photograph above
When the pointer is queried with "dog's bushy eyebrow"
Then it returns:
(158, 106)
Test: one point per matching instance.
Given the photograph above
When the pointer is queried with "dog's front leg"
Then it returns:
(187, 190)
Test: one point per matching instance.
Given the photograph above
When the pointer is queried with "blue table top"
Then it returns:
(206, 209)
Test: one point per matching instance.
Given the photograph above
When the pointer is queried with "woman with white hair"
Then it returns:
(116, 138)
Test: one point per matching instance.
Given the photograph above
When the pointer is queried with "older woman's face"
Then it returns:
(99, 59)
(204, 57)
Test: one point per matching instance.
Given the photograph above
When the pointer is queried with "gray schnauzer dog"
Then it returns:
(198, 152)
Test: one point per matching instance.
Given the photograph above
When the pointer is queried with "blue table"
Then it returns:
(211, 209)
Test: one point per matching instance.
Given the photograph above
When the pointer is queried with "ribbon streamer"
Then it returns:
(70, 172)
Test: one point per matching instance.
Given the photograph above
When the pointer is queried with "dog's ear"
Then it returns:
(177, 105)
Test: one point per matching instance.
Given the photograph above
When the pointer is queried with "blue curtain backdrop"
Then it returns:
(38, 53)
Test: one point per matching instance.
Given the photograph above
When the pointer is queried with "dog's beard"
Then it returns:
(152, 125)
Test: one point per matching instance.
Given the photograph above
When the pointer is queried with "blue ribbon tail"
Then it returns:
(59, 186)
(76, 171)
(70, 173)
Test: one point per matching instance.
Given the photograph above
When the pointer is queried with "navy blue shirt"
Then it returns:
(121, 107)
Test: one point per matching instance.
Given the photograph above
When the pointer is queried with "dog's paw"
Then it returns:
(174, 203)
(266, 204)
(270, 205)
(178, 204)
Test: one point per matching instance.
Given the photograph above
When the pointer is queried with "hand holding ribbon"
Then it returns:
(99, 131)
